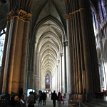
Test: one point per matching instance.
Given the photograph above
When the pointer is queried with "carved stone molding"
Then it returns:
(24, 15)
(20, 14)
(69, 16)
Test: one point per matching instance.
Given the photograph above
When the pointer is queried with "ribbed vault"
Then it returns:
(48, 46)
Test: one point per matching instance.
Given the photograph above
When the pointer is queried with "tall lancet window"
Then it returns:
(2, 40)
(47, 81)
(102, 11)
(95, 20)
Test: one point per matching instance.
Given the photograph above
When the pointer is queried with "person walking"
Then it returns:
(31, 100)
(59, 98)
(54, 98)
(40, 97)
(44, 96)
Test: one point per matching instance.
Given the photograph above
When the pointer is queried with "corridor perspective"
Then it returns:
(53, 45)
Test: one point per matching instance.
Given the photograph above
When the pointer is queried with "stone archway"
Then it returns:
(48, 48)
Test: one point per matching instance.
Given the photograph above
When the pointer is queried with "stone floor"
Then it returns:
(49, 103)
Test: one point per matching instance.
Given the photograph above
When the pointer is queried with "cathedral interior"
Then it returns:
(54, 45)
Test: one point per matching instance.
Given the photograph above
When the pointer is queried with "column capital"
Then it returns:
(61, 54)
(20, 14)
(65, 43)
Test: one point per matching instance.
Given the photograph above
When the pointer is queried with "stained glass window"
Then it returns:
(2, 40)
(47, 81)
(95, 22)
(102, 11)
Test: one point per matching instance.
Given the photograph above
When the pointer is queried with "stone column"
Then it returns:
(61, 74)
(91, 63)
(36, 74)
(65, 62)
(82, 49)
(16, 51)
(70, 73)
(57, 77)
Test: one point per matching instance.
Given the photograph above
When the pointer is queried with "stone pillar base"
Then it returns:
(75, 98)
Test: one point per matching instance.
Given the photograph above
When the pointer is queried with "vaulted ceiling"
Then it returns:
(37, 7)
(48, 25)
